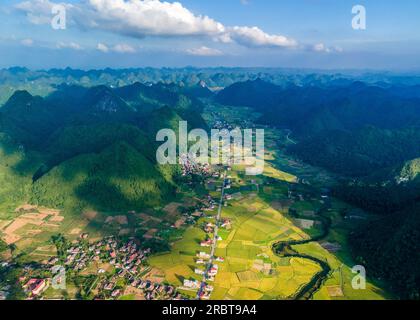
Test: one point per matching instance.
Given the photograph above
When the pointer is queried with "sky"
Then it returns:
(316, 34)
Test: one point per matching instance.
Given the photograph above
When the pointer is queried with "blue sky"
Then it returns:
(271, 33)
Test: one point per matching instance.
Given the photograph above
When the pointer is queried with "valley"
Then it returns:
(81, 189)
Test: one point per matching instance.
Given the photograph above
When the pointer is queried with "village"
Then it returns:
(206, 265)
(115, 266)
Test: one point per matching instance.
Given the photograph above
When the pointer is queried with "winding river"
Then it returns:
(284, 249)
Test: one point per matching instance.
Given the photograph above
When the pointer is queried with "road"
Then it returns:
(289, 132)
(215, 236)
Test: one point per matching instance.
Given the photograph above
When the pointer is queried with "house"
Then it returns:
(203, 255)
(213, 270)
(198, 271)
(115, 293)
(36, 286)
(209, 228)
(208, 288)
(109, 286)
(206, 243)
(191, 284)
(226, 224)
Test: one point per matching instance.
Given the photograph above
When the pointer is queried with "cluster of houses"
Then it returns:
(125, 257)
(150, 290)
(33, 286)
(208, 204)
(127, 260)
(204, 289)
(190, 166)
(209, 272)
(221, 125)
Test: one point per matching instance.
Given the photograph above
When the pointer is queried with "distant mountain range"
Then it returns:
(44, 82)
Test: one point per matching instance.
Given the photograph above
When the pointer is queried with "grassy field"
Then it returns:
(260, 216)
(247, 248)
(250, 270)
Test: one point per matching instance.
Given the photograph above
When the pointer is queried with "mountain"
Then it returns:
(351, 129)
(309, 110)
(71, 141)
(91, 147)
(117, 178)
(16, 169)
(28, 119)
(389, 247)
(386, 190)
(360, 152)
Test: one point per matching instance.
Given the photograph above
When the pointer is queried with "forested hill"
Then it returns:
(309, 110)
(385, 191)
(91, 147)
(389, 249)
(359, 152)
(351, 128)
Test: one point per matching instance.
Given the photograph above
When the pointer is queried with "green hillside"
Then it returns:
(74, 140)
(360, 152)
(386, 190)
(118, 178)
(389, 249)
(91, 147)
(16, 169)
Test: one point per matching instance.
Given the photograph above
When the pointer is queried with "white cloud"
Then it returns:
(69, 45)
(141, 18)
(123, 48)
(254, 36)
(102, 47)
(204, 51)
(27, 42)
(119, 48)
(320, 47)
(39, 11)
